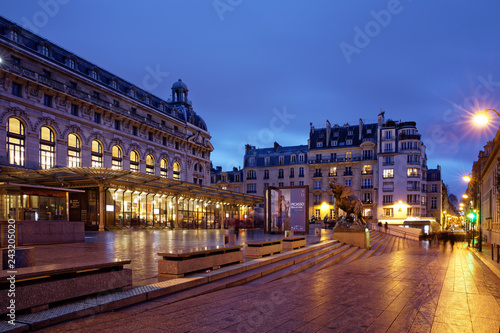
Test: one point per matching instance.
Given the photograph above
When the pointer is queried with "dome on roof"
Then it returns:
(179, 84)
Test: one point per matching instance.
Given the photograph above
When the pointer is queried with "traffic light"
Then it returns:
(473, 217)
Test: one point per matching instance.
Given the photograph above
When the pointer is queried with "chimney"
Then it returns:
(235, 169)
(218, 168)
(276, 146)
(312, 128)
(381, 118)
(360, 128)
(248, 148)
(328, 128)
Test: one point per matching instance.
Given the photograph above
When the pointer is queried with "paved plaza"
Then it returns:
(143, 246)
(427, 288)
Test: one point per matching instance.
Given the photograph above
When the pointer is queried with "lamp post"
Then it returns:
(474, 181)
(482, 118)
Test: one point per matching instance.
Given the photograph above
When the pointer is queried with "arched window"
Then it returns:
(117, 158)
(134, 161)
(15, 141)
(96, 154)
(47, 148)
(177, 171)
(74, 146)
(164, 168)
(150, 165)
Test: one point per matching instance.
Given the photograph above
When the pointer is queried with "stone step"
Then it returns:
(355, 255)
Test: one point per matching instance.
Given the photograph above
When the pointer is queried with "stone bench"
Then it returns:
(37, 287)
(260, 249)
(292, 243)
(179, 263)
(19, 257)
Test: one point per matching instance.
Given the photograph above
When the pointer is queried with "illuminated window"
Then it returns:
(164, 168)
(15, 141)
(150, 165)
(348, 156)
(47, 148)
(388, 173)
(367, 170)
(74, 147)
(96, 154)
(134, 161)
(117, 158)
(177, 171)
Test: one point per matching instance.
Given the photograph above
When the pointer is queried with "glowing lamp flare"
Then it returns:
(481, 118)
(467, 178)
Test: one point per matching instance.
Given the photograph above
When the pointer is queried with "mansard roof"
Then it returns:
(341, 135)
(60, 56)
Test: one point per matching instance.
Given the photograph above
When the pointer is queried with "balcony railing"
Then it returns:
(347, 173)
(367, 202)
(412, 188)
(365, 187)
(388, 189)
(317, 174)
(367, 172)
(388, 202)
(332, 174)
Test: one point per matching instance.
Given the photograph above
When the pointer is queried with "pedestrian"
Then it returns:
(386, 226)
(452, 239)
(326, 221)
(237, 227)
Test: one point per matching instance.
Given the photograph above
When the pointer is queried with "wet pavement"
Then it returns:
(430, 288)
(142, 247)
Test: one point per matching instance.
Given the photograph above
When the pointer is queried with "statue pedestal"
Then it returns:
(354, 236)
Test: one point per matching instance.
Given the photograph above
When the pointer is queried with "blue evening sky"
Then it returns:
(260, 71)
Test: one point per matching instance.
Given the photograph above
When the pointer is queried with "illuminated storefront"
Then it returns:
(112, 199)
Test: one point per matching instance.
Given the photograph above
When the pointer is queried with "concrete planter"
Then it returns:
(356, 237)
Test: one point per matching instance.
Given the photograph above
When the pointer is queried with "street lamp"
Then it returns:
(482, 118)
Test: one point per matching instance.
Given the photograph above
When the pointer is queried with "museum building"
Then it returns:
(78, 143)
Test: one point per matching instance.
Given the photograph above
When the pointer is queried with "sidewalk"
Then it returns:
(420, 289)
(485, 257)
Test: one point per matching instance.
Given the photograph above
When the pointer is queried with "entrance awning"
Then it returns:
(84, 177)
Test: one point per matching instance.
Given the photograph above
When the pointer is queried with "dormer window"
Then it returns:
(350, 132)
(45, 50)
(93, 74)
(334, 143)
(368, 131)
(114, 84)
(14, 36)
(336, 133)
(319, 144)
(348, 142)
(71, 64)
(147, 100)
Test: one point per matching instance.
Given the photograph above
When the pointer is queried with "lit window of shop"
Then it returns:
(117, 158)
(164, 168)
(15, 141)
(47, 148)
(96, 154)
(150, 165)
(74, 147)
(177, 171)
(134, 161)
